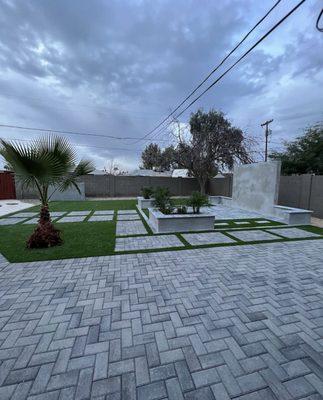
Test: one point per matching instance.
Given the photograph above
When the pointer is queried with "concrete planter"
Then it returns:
(144, 203)
(161, 223)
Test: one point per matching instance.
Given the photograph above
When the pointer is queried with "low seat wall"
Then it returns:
(161, 223)
(293, 216)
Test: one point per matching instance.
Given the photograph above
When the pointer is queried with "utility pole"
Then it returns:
(266, 124)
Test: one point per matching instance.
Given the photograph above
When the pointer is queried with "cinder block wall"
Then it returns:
(301, 191)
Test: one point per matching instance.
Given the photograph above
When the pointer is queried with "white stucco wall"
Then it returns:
(255, 186)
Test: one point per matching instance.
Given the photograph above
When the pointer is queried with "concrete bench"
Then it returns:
(220, 200)
(293, 216)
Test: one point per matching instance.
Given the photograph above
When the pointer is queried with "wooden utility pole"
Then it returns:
(266, 124)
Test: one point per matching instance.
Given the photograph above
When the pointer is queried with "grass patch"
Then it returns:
(81, 239)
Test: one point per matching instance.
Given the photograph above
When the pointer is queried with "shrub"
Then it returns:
(197, 200)
(163, 201)
(147, 192)
(181, 210)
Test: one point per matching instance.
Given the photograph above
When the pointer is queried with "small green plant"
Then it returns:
(162, 200)
(147, 192)
(197, 200)
(181, 210)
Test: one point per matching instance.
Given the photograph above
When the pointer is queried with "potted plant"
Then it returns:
(147, 192)
(197, 200)
(146, 198)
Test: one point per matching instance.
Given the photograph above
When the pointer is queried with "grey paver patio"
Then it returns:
(76, 213)
(76, 218)
(293, 233)
(100, 218)
(104, 212)
(128, 217)
(147, 242)
(130, 228)
(207, 238)
(122, 212)
(242, 323)
(11, 221)
(252, 235)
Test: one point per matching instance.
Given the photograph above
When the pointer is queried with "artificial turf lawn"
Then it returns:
(81, 239)
(89, 239)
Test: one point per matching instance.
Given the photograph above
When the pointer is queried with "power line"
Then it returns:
(79, 145)
(236, 62)
(318, 22)
(67, 132)
(215, 69)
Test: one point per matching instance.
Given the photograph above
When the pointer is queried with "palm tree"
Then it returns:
(45, 163)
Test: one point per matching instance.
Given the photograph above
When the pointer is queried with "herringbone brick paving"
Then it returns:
(240, 322)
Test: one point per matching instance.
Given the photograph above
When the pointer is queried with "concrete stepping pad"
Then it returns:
(100, 218)
(241, 223)
(147, 242)
(11, 221)
(26, 214)
(125, 228)
(76, 213)
(196, 239)
(122, 212)
(32, 221)
(57, 213)
(128, 217)
(76, 218)
(253, 235)
(293, 233)
(104, 212)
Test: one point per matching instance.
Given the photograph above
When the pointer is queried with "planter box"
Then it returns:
(144, 203)
(161, 223)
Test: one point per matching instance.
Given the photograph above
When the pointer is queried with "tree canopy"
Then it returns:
(304, 154)
(214, 144)
(153, 157)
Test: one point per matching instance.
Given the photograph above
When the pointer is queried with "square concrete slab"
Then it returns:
(32, 221)
(196, 239)
(57, 213)
(76, 218)
(293, 233)
(104, 212)
(26, 214)
(75, 213)
(147, 242)
(128, 217)
(245, 223)
(253, 235)
(216, 224)
(263, 221)
(122, 212)
(11, 221)
(100, 218)
(130, 228)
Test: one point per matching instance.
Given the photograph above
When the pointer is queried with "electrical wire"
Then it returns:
(66, 132)
(215, 69)
(237, 62)
(318, 22)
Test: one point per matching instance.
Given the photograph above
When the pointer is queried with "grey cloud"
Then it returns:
(118, 66)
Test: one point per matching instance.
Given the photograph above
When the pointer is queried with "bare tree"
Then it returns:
(113, 168)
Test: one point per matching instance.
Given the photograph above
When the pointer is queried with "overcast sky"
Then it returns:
(118, 67)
